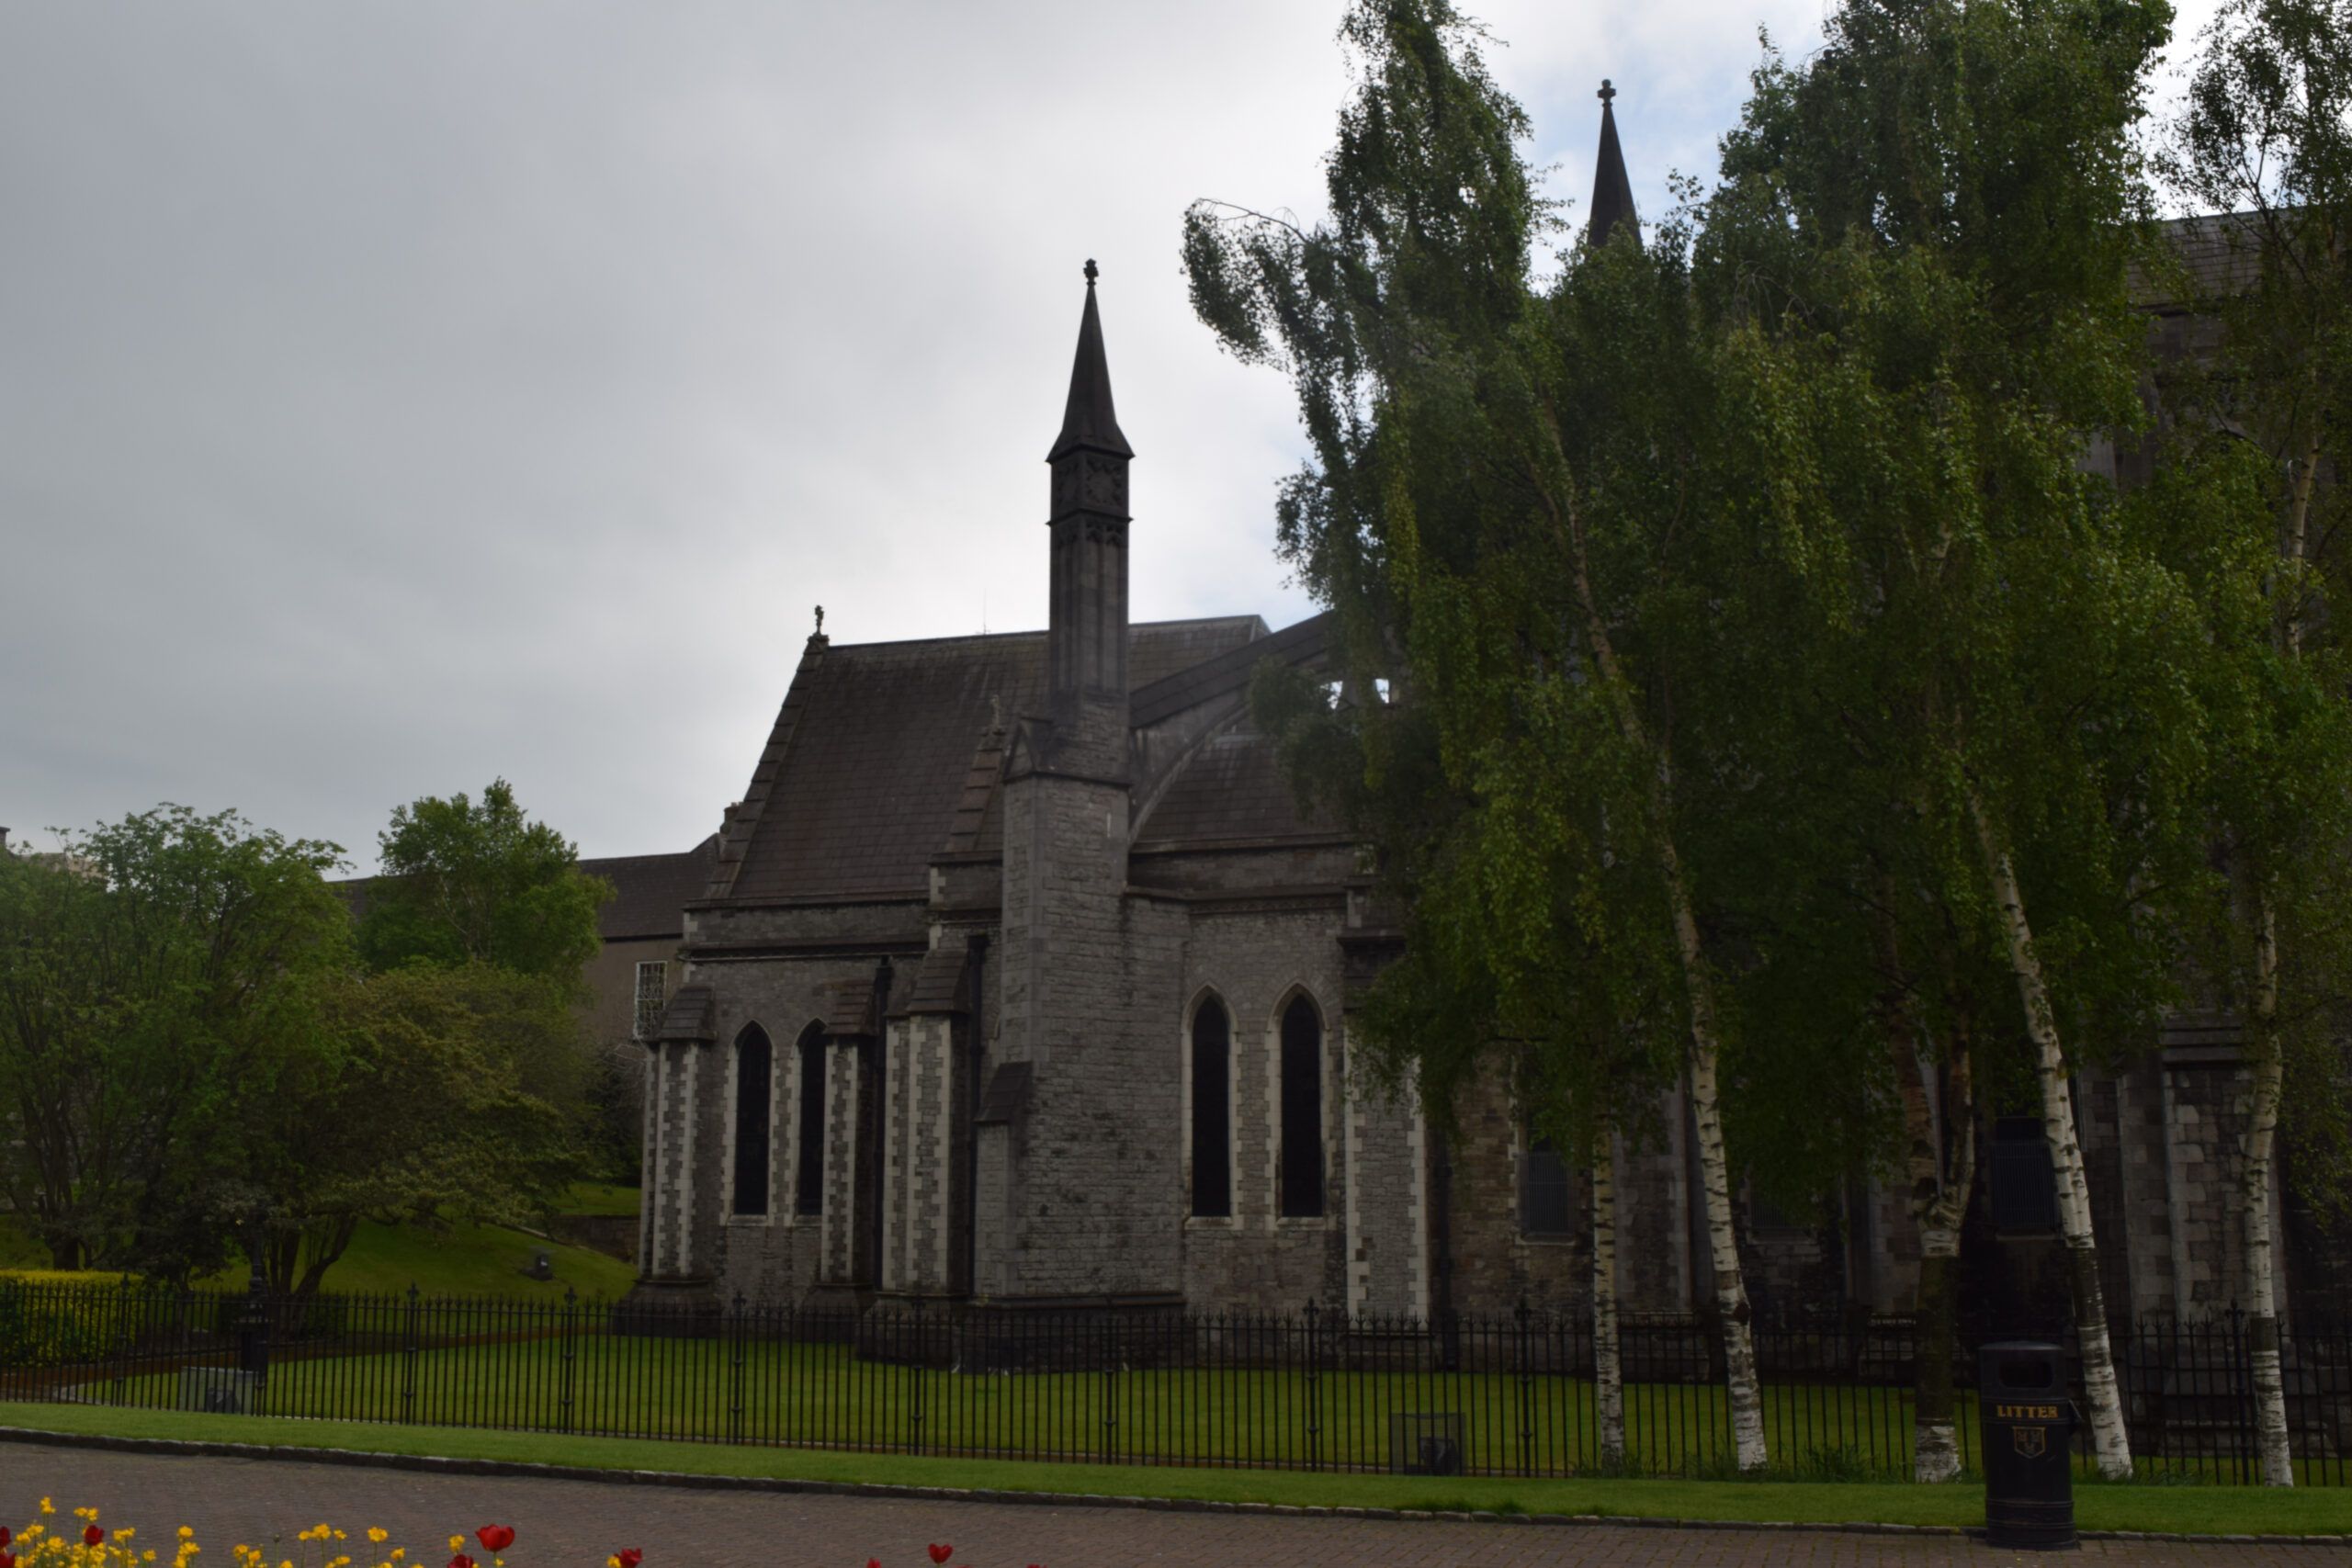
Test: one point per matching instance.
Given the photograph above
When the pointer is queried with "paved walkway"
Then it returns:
(576, 1523)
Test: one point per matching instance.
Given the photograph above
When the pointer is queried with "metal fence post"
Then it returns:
(916, 1364)
(571, 1351)
(1526, 1427)
(735, 1375)
(1314, 1386)
(408, 1361)
(1110, 1389)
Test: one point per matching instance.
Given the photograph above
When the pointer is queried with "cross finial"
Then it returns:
(820, 620)
(1090, 272)
(1607, 92)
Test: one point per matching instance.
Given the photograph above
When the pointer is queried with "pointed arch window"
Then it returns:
(1300, 1175)
(1212, 1069)
(809, 1171)
(754, 1068)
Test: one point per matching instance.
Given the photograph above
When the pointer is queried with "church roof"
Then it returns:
(873, 757)
(651, 892)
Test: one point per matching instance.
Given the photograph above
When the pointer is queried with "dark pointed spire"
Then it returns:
(1088, 421)
(1612, 193)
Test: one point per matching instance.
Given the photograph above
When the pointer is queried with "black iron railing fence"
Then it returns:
(1318, 1389)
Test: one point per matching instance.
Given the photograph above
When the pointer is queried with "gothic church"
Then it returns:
(1021, 981)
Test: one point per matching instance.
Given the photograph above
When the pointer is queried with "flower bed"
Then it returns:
(88, 1544)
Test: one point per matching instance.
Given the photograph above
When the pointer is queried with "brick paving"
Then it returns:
(578, 1522)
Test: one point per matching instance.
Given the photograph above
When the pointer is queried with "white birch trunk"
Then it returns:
(1941, 1160)
(1934, 1437)
(1722, 1246)
(1731, 1289)
(2266, 1071)
(1608, 1368)
(2111, 1444)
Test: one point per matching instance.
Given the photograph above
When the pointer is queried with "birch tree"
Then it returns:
(1927, 227)
(2264, 144)
(1506, 492)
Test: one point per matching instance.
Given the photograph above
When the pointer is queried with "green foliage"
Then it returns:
(1767, 551)
(466, 882)
(54, 1327)
(157, 975)
(2253, 503)
(439, 1095)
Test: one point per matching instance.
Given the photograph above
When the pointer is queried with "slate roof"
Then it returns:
(693, 1014)
(651, 892)
(882, 766)
(1231, 791)
(2219, 254)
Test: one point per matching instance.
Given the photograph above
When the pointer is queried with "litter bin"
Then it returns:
(2029, 1430)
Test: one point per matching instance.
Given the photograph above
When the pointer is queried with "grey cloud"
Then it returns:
(393, 396)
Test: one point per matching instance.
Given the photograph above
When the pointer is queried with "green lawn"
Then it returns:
(822, 1394)
(597, 1197)
(464, 1261)
(514, 1368)
(2204, 1510)
(461, 1261)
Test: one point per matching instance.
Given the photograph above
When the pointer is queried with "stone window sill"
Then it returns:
(1210, 1222)
(1304, 1222)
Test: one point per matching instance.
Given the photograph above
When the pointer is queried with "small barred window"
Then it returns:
(653, 994)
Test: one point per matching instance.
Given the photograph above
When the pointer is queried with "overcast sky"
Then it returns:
(398, 395)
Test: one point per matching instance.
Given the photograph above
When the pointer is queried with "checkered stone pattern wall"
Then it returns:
(848, 1088)
(680, 1159)
(928, 1104)
(774, 1257)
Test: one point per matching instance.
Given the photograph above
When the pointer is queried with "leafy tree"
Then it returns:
(1925, 231)
(439, 1094)
(1500, 509)
(478, 882)
(157, 975)
(2264, 140)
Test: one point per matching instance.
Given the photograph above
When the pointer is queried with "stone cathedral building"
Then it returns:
(1021, 981)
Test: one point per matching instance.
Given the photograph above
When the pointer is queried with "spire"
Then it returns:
(1088, 420)
(1612, 193)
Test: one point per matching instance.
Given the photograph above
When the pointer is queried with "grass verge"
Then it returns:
(460, 1260)
(2190, 1509)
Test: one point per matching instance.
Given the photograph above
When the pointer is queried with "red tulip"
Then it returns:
(496, 1538)
(941, 1554)
(461, 1560)
(92, 1536)
(630, 1557)
(7, 1559)
(4, 1538)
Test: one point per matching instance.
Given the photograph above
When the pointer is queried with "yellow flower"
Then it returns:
(456, 1543)
(47, 1507)
(377, 1536)
(126, 1533)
